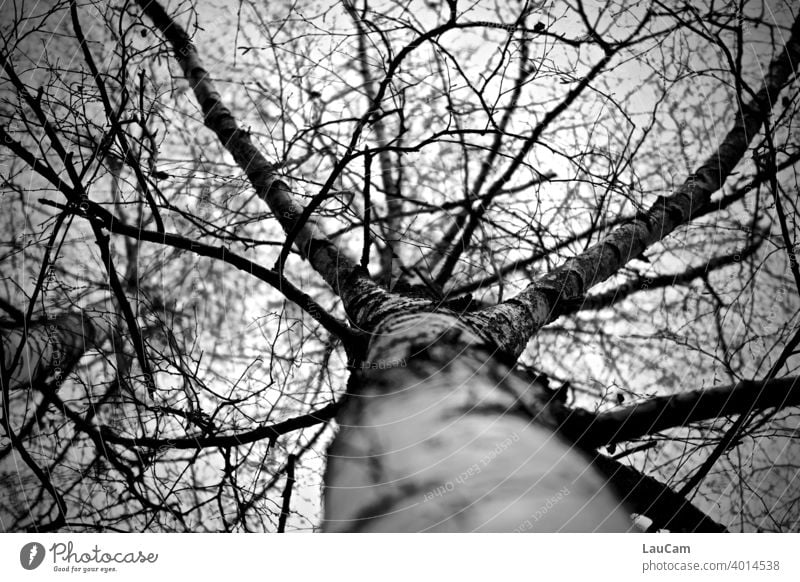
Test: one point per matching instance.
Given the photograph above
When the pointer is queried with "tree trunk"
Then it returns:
(52, 348)
(437, 434)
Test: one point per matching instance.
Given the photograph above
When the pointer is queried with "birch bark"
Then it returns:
(437, 432)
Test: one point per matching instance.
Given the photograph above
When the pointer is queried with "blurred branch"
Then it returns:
(15, 314)
(677, 410)
(651, 498)
(287, 494)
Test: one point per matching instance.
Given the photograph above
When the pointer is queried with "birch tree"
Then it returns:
(421, 241)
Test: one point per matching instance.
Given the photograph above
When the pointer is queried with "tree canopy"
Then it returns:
(198, 200)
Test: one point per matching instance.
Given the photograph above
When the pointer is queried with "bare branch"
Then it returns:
(521, 316)
(678, 410)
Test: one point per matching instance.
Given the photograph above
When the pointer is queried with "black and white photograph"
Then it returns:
(399, 266)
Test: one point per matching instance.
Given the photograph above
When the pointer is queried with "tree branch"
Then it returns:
(649, 497)
(269, 431)
(644, 283)
(335, 267)
(514, 321)
(677, 410)
(289, 290)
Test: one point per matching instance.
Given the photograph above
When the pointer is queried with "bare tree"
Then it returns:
(504, 294)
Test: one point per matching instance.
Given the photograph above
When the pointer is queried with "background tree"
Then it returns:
(212, 227)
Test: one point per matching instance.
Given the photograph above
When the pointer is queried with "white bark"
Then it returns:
(51, 349)
(439, 435)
